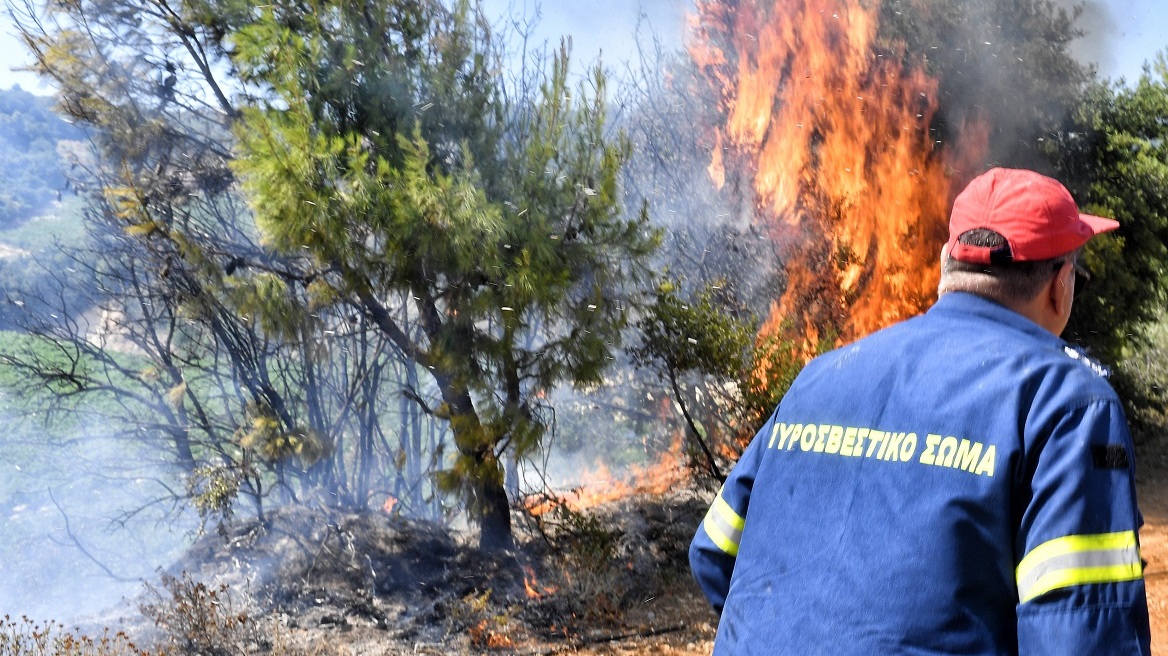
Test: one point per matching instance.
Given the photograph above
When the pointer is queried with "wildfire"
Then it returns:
(601, 485)
(532, 587)
(835, 135)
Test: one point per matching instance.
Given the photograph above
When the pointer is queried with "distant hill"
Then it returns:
(31, 173)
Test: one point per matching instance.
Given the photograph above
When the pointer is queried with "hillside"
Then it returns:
(38, 208)
(32, 172)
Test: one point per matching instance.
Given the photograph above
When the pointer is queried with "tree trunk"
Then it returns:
(493, 510)
(693, 429)
(495, 514)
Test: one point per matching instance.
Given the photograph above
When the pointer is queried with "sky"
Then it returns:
(1121, 34)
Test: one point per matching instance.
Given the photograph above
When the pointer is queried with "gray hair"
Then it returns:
(1006, 282)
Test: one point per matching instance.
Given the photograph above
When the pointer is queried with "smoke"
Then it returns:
(606, 30)
(80, 517)
(1100, 31)
(613, 27)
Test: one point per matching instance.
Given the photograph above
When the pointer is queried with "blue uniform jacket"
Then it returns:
(959, 483)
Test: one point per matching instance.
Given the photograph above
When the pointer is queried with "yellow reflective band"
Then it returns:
(1079, 560)
(724, 526)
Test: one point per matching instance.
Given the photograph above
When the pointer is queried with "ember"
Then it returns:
(835, 134)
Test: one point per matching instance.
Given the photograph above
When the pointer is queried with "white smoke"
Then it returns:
(82, 529)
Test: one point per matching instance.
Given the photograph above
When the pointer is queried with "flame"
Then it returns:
(602, 486)
(532, 587)
(499, 641)
(390, 503)
(727, 451)
(482, 635)
(834, 132)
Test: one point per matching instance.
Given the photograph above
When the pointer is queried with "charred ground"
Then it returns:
(317, 580)
(323, 581)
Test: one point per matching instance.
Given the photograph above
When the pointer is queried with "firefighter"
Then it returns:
(959, 483)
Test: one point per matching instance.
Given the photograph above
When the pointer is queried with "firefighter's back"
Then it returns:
(884, 503)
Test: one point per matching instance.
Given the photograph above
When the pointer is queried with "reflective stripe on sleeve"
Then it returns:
(724, 526)
(1078, 560)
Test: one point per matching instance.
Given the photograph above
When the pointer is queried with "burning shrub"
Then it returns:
(724, 377)
(485, 625)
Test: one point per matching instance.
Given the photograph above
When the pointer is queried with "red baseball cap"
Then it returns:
(1035, 214)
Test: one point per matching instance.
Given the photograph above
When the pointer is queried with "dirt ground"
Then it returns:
(1152, 483)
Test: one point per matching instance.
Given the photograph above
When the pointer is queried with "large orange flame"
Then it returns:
(834, 133)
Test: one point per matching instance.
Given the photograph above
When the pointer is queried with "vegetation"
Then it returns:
(86, 512)
(33, 264)
(492, 219)
(423, 227)
(338, 254)
(740, 378)
(24, 637)
(32, 172)
(1112, 152)
(174, 339)
(197, 619)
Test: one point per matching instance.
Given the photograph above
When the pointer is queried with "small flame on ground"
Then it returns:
(481, 634)
(532, 587)
(499, 641)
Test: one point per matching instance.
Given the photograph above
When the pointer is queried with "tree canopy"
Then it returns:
(1113, 154)
(408, 191)
(424, 189)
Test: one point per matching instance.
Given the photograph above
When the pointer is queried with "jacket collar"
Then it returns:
(964, 303)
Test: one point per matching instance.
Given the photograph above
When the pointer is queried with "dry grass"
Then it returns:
(24, 637)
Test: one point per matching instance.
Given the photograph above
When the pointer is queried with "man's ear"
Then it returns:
(1060, 293)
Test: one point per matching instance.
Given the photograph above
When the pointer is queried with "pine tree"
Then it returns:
(428, 190)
